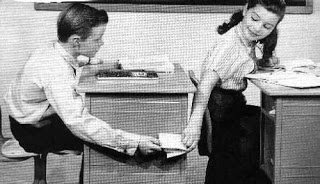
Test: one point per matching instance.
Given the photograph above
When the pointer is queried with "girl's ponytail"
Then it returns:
(269, 44)
(234, 20)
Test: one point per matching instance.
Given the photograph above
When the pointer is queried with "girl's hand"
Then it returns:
(271, 62)
(191, 136)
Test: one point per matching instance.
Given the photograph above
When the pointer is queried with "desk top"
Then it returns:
(177, 82)
(278, 90)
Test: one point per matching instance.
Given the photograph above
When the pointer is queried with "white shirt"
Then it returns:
(46, 85)
(232, 58)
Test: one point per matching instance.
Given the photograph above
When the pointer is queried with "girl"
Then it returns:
(223, 80)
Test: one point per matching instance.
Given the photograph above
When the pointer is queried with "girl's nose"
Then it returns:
(258, 27)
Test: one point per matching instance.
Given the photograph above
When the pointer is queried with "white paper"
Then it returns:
(288, 78)
(298, 73)
(289, 65)
(172, 145)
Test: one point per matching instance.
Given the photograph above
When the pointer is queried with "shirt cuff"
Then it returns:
(129, 143)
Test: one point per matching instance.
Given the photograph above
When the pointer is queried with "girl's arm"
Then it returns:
(191, 134)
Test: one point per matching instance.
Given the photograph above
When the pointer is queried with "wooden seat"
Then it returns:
(40, 160)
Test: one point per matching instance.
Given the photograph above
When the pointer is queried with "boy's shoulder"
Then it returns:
(45, 57)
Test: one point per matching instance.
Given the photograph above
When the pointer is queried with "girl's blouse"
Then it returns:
(232, 57)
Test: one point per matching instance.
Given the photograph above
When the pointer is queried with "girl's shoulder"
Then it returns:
(225, 42)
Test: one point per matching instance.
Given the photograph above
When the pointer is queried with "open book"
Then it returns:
(171, 144)
(157, 63)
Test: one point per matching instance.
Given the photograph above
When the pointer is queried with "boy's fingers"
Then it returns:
(156, 147)
(155, 141)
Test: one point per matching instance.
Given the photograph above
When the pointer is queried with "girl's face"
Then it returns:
(258, 23)
(90, 46)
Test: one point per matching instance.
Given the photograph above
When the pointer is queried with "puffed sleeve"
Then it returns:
(224, 59)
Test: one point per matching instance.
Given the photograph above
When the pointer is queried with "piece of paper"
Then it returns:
(157, 63)
(289, 65)
(298, 73)
(171, 144)
(288, 78)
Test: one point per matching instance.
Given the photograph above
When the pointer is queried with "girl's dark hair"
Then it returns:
(79, 19)
(270, 42)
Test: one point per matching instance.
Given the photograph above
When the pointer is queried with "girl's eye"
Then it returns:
(267, 26)
(254, 18)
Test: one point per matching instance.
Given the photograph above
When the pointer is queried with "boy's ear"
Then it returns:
(74, 40)
(245, 9)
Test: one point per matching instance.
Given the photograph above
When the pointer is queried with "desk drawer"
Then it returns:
(109, 167)
(133, 175)
(300, 141)
(147, 115)
(305, 106)
(136, 104)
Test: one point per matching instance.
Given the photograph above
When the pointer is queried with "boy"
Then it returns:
(46, 112)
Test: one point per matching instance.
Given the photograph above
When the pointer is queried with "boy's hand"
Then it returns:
(149, 145)
(191, 136)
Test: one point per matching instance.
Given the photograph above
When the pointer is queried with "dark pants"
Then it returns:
(52, 137)
(226, 164)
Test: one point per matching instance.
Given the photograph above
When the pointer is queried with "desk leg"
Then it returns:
(261, 129)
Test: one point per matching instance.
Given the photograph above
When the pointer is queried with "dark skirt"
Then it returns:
(52, 137)
(226, 163)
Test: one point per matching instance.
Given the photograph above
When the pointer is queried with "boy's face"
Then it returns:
(258, 23)
(90, 46)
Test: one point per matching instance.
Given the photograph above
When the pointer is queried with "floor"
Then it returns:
(60, 169)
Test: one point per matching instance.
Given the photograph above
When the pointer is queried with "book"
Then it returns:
(171, 144)
(157, 63)
(118, 75)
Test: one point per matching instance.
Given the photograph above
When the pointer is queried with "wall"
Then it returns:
(184, 37)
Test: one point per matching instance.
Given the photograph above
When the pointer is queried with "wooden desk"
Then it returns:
(290, 134)
(143, 108)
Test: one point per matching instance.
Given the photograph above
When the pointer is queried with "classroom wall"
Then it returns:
(184, 37)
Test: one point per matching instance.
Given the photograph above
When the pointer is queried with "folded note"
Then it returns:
(171, 144)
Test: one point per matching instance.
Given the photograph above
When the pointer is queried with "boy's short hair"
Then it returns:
(79, 19)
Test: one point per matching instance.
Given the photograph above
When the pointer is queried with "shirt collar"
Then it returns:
(66, 56)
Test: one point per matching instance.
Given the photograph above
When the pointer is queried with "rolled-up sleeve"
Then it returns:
(69, 105)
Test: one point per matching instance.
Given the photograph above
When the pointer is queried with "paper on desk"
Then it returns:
(172, 145)
(157, 63)
(288, 78)
(289, 65)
